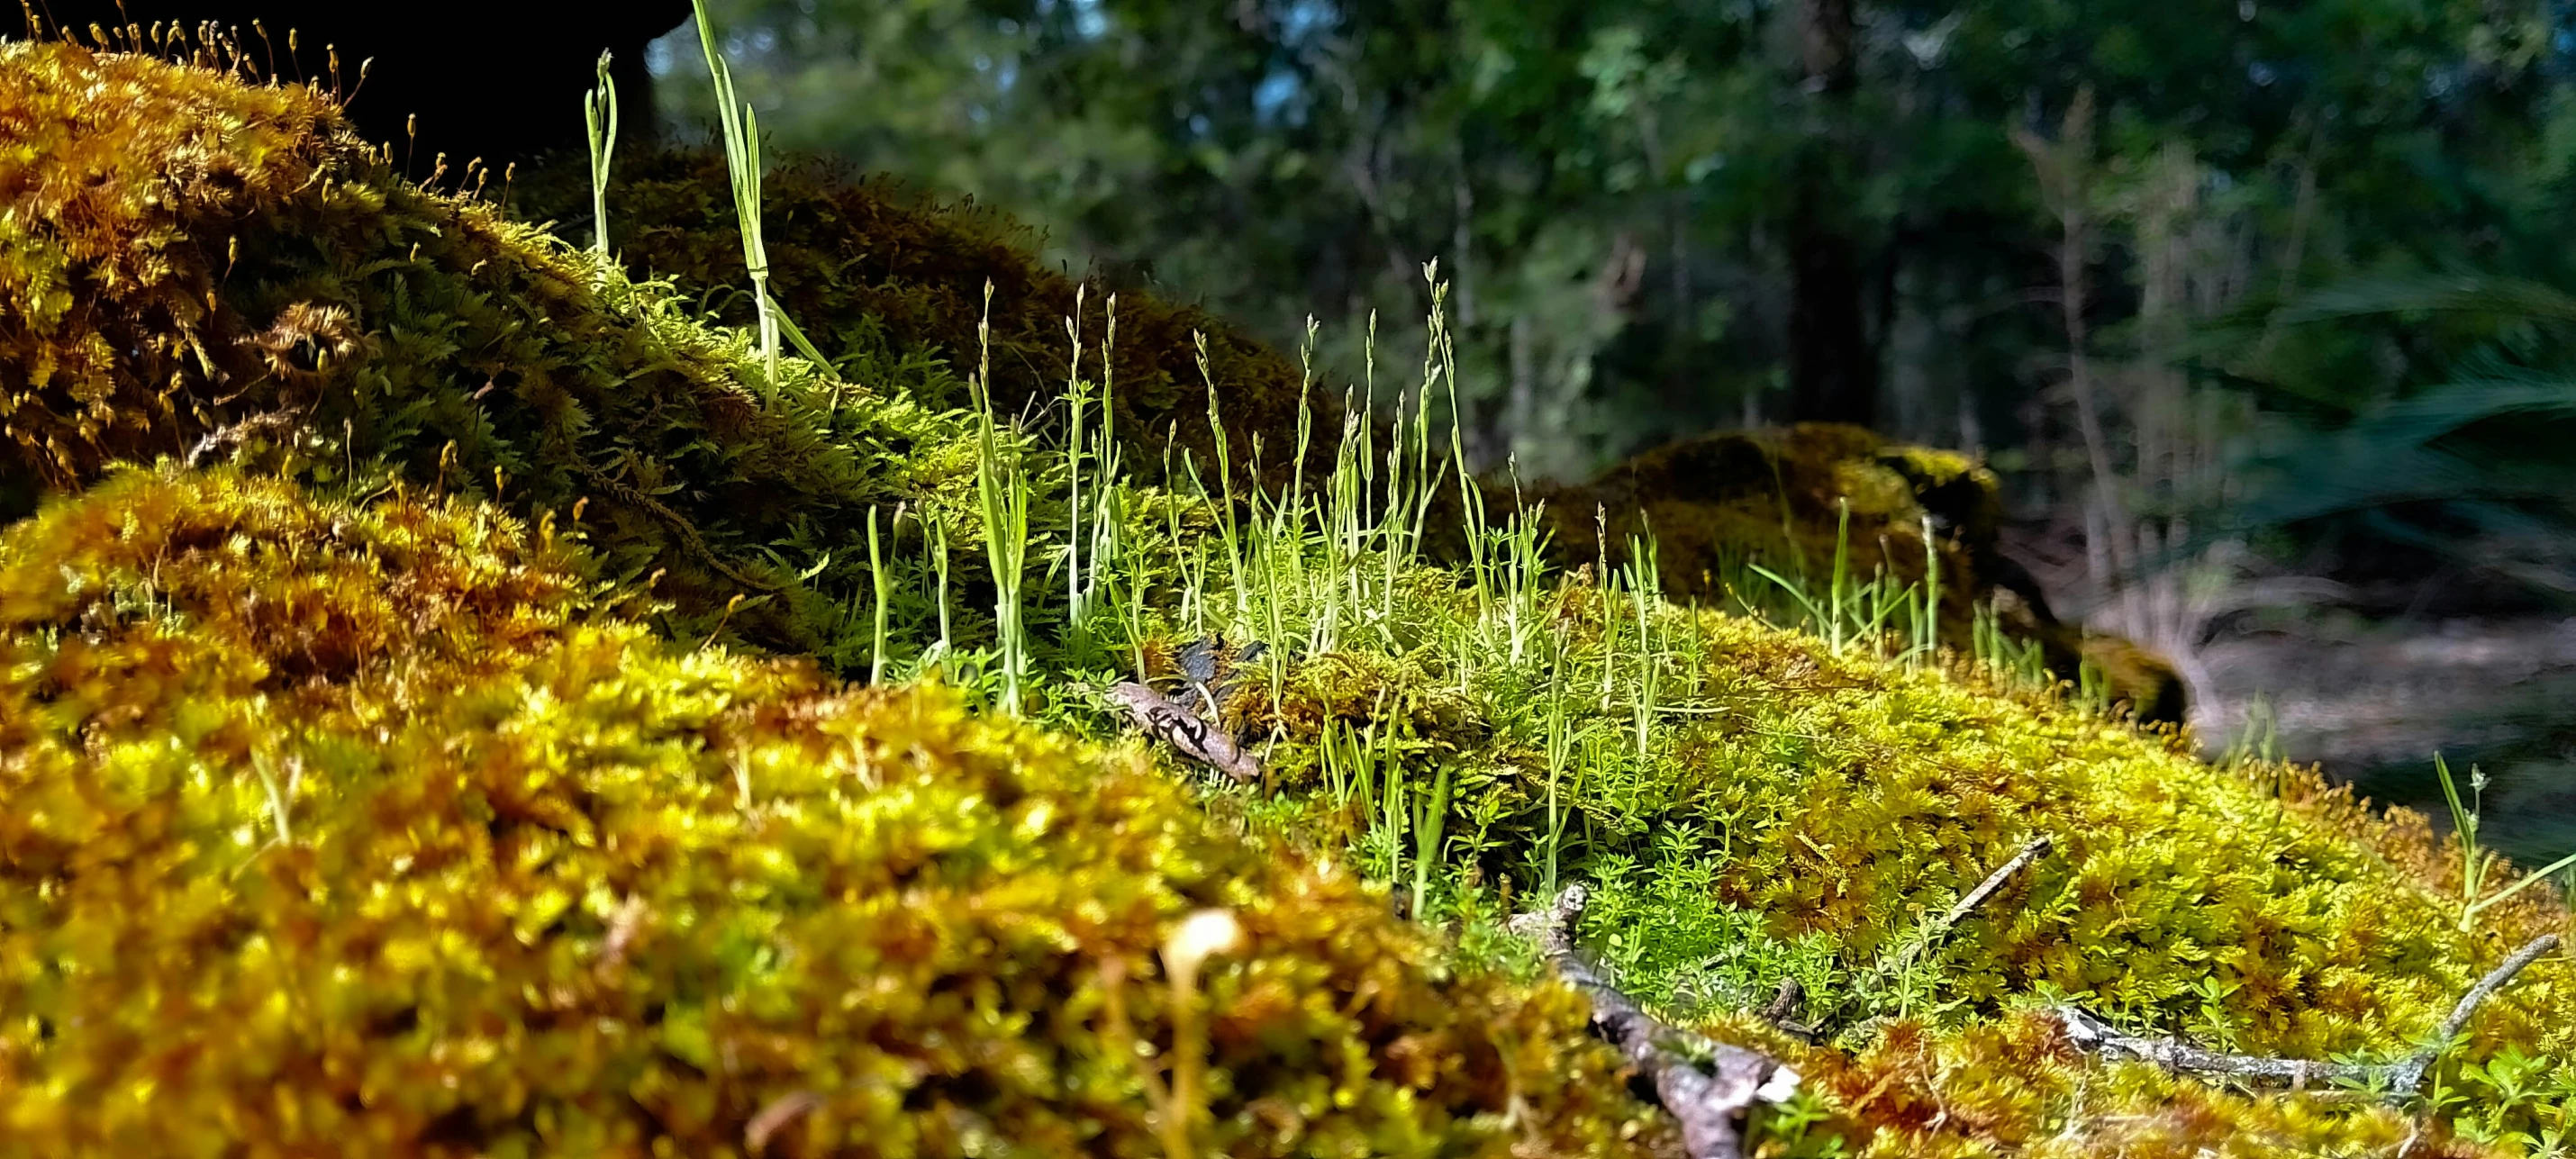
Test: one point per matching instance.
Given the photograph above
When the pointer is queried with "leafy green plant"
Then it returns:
(1003, 489)
(740, 125)
(599, 114)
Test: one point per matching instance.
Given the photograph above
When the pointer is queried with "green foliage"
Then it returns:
(360, 828)
(1612, 186)
(2462, 454)
(872, 267)
(408, 823)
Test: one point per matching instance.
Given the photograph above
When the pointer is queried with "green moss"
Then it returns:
(205, 269)
(1789, 813)
(1713, 505)
(868, 266)
(410, 824)
(353, 829)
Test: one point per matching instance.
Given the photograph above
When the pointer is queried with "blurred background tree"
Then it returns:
(2256, 305)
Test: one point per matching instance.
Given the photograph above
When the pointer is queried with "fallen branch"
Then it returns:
(2399, 1079)
(1706, 1085)
(1185, 731)
(2030, 852)
(2410, 1073)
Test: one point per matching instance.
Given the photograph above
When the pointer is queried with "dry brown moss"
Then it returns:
(349, 830)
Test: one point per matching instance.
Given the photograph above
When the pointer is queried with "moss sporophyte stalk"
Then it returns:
(458, 695)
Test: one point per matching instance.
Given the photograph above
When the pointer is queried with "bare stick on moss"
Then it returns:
(1707, 1098)
(1187, 733)
(2399, 1079)
(2410, 1074)
(2037, 847)
(2031, 852)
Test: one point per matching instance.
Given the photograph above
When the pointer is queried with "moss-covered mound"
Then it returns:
(198, 268)
(866, 265)
(423, 822)
(1833, 800)
(1751, 807)
(350, 830)
(1779, 498)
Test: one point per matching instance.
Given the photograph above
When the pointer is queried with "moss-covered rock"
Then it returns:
(356, 830)
(1779, 498)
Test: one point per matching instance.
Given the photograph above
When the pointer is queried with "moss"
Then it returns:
(357, 829)
(2017, 1086)
(1777, 497)
(1798, 814)
(868, 265)
(200, 268)
(399, 825)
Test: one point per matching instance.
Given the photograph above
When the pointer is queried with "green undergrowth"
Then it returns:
(372, 829)
(1751, 805)
(415, 733)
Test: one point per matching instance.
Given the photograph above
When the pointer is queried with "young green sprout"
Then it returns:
(599, 109)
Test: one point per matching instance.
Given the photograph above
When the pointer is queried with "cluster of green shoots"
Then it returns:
(2476, 861)
(1332, 568)
(740, 124)
(1326, 567)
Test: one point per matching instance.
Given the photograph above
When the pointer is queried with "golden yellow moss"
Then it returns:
(350, 830)
(1799, 814)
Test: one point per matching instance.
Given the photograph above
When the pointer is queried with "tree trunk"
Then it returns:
(1833, 362)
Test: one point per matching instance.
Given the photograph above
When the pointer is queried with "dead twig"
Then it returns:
(2033, 851)
(1185, 731)
(1706, 1085)
(2410, 1073)
(2400, 1079)
(2030, 852)
(784, 1109)
(225, 438)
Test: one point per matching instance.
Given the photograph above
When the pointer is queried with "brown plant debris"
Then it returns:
(1188, 733)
